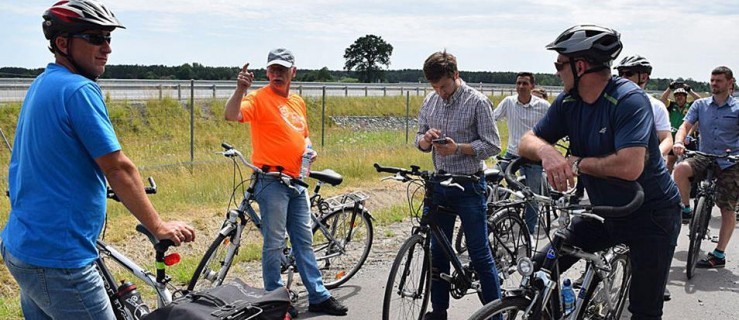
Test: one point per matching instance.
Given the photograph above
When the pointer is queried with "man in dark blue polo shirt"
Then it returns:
(610, 124)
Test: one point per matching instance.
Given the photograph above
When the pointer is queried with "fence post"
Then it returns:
(407, 114)
(365, 91)
(300, 90)
(384, 91)
(323, 114)
(192, 123)
(417, 90)
(214, 91)
(179, 92)
(346, 91)
(160, 92)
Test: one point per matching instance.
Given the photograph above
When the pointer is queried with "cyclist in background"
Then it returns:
(677, 110)
(65, 149)
(523, 111)
(279, 131)
(719, 116)
(612, 134)
(462, 118)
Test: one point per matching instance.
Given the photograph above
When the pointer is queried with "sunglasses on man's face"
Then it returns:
(93, 39)
(560, 65)
(626, 73)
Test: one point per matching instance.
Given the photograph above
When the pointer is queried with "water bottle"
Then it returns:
(568, 296)
(305, 164)
(135, 307)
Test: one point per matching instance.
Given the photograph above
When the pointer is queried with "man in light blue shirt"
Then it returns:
(719, 126)
(523, 111)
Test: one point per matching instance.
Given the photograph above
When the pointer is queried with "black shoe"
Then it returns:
(293, 312)
(711, 262)
(330, 306)
(435, 315)
(668, 295)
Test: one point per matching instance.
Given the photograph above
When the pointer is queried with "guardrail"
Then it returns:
(14, 90)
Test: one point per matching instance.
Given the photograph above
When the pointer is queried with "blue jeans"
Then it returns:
(51, 293)
(283, 208)
(470, 206)
(533, 173)
(651, 236)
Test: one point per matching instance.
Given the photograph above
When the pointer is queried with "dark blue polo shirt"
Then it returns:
(621, 117)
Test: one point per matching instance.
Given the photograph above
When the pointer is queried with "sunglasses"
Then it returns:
(626, 74)
(93, 39)
(560, 65)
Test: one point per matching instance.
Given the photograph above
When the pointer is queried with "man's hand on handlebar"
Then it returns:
(177, 231)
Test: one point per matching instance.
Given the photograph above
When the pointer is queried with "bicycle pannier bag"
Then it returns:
(233, 301)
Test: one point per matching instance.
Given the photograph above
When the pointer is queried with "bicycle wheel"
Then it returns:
(504, 309)
(696, 233)
(407, 289)
(598, 306)
(509, 240)
(215, 264)
(343, 246)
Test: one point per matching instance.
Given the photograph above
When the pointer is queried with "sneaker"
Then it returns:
(292, 312)
(687, 214)
(435, 315)
(330, 306)
(711, 262)
(667, 296)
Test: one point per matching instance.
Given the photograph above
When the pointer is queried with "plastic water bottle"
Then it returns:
(135, 307)
(568, 296)
(305, 164)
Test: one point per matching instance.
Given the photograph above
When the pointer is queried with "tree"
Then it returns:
(366, 55)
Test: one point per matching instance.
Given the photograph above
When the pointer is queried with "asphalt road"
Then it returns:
(711, 294)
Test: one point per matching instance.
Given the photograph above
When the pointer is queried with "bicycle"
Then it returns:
(538, 297)
(342, 230)
(412, 283)
(704, 201)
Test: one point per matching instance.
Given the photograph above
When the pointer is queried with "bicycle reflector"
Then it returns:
(172, 259)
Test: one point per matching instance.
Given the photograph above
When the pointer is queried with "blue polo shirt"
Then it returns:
(57, 190)
(621, 117)
(718, 125)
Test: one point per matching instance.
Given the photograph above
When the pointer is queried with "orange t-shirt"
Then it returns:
(279, 127)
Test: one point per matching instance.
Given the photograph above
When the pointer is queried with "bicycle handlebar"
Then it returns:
(231, 152)
(426, 175)
(727, 155)
(151, 189)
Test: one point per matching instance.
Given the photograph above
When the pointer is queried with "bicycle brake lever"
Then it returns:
(449, 183)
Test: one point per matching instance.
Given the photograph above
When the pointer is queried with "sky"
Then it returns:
(685, 38)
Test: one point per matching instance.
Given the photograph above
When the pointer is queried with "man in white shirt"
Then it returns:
(523, 111)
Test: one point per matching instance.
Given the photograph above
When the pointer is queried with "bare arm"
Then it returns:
(125, 180)
(679, 147)
(627, 163)
(665, 98)
(665, 141)
(559, 171)
(233, 105)
(695, 95)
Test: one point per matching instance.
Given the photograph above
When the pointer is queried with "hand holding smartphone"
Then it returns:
(439, 141)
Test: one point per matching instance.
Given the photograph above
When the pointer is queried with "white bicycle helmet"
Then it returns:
(599, 45)
(636, 63)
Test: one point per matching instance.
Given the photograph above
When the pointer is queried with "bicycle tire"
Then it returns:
(509, 240)
(339, 262)
(413, 273)
(696, 233)
(215, 264)
(513, 307)
(596, 306)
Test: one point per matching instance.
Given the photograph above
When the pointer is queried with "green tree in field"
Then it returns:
(366, 55)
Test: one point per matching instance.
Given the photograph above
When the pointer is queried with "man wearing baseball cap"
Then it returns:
(280, 137)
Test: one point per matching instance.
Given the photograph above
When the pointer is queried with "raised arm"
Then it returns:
(233, 105)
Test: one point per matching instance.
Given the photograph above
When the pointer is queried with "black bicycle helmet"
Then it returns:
(76, 16)
(636, 63)
(599, 45)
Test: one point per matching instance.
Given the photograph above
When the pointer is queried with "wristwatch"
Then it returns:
(576, 167)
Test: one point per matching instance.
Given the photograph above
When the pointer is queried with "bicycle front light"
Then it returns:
(525, 266)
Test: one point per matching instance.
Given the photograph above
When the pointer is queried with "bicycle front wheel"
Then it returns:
(407, 289)
(503, 309)
(696, 233)
(215, 264)
(342, 244)
(601, 297)
(509, 240)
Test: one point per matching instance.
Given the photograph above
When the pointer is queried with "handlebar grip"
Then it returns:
(152, 188)
(380, 168)
(226, 146)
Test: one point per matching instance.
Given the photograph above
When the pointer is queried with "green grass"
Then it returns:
(156, 136)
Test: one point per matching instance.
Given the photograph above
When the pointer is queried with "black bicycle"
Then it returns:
(703, 204)
(607, 278)
(407, 290)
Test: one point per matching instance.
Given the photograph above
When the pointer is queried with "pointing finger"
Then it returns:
(245, 68)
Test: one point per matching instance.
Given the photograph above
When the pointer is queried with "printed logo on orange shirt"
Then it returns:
(292, 118)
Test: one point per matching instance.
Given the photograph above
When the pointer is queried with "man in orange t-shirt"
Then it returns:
(279, 131)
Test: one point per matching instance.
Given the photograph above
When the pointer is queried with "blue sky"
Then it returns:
(681, 38)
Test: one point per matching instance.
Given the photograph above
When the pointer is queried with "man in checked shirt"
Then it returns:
(456, 125)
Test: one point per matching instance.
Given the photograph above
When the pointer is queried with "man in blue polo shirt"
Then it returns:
(719, 124)
(610, 124)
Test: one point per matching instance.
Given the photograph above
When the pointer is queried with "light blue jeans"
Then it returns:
(52, 293)
(533, 173)
(283, 208)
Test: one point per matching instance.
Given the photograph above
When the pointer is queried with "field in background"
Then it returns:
(156, 136)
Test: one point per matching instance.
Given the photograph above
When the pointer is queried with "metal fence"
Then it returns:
(14, 90)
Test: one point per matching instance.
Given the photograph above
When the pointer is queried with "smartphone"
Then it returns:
(439, 141)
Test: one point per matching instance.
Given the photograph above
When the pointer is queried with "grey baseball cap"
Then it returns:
(282, 57)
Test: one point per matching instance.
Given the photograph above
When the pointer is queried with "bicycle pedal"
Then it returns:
(714, 239)
(446, 277)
